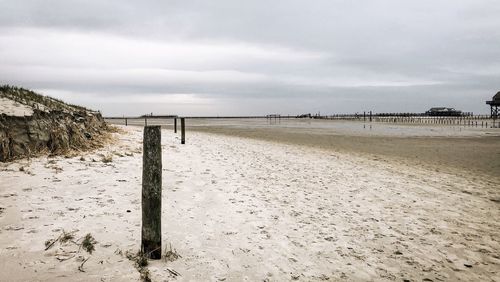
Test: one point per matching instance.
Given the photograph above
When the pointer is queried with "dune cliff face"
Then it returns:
(50, 127)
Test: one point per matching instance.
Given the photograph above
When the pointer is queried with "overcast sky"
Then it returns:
(254, 57)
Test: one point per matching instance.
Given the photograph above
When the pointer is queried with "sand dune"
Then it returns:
(242, 209)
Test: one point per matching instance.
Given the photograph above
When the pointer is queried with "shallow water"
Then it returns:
(332, 127)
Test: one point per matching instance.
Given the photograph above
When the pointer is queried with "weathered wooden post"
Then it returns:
(175, 125)
(126, 122)
(370, 116)
(364, 116)
(151, 193)
(183, 131)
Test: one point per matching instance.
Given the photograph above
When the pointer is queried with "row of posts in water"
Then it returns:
(472, 121)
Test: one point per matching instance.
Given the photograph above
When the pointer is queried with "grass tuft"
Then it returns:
(65, 237)
(88, 243)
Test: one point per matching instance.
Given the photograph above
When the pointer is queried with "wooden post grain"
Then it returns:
(183, 131)
(151, 193)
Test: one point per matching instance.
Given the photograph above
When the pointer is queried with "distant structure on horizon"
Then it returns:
(494, 104)
(304, 116)
(443, 111)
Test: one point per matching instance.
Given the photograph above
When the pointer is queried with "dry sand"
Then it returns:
(13, 108)
(245, 209)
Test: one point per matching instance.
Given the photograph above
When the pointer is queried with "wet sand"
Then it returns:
(461, 155)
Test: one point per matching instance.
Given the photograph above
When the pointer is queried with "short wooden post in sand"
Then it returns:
(151, 192)
(175, 125)
(183, 131)
(126, 122)
(370, 116)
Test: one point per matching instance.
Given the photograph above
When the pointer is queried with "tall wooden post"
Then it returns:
(175, 125)
(183, 131)
(151, 193)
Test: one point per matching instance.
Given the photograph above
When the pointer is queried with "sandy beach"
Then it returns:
(460, 150)
(239, 208)
(229, 141)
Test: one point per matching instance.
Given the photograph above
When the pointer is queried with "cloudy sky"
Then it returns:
(236, 57)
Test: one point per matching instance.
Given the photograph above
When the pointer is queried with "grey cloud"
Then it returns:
(410, 55)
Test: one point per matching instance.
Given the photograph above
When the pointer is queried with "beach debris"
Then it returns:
(107, 159)
(81, 265)
(62, 238)
(49, 243)
(65, 256)
(87, 242)
(175, 273)
(65, 237)
(171, 254)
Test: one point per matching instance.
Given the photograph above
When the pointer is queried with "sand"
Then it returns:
(461, 150)
(461, 155)
(13, 108)
(245, 209)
